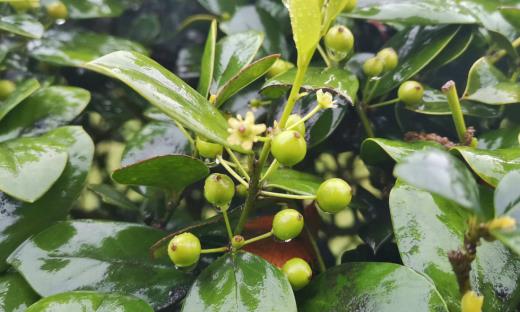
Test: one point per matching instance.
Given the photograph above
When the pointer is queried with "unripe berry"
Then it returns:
(24, 5)
(293, 119)
(219, 190)
(241, 190)
(279, 67)
(57, 10)
(350, 6)
(373, 67)
(298, 272)
(207, 149)
(289, 147)
(237, 242)
(333, 195)
(340, 39)
(287, 224)
(184, 250)
(6, 88)
(389, 57)
(410, 92)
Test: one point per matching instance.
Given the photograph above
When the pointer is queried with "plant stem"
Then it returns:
(306, 117)
(260, 237)
(231, 171)
(458, 117)
(253, 188)
(228, 225)
(272, 168)
(501, 53)
(389, 102)
(364, 119)
(293, 96)
(288, 196)
(317, 252)
(239, 165)
(324, 56)
(214, 250)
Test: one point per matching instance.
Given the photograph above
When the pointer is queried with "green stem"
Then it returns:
(458, 117)
(228, 225)
(382, 104)
(317, 252)
(231, 171)
(324, 56)
(501, 53)
(237, 162)
(306, 117)
(260, 237)
(364, 119)
(272, 168)
(293, 96)
(253, 188)
(288, 196)
(214, 250)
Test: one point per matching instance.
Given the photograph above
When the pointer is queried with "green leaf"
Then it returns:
(78, 47)
(427, 227)
(331, 9)
(222, 7)
(233, 53)
(245, 282)
(15, 293)
(112, 196)
(380, 151)
(79, 9)
(208, 61)
(22, 91)
(245, 77)
(416, 49)
(455, 49)
(87, 301)
(294, 181)
(382, 287)
(45, 110)
(23, 25)
(30, 166)
(335, 80)
(182, 171)
(438, 172)
(491, 166)
(487, 84)
(510, 238)
(165, 91)
(512, 15)
(507, 193)
(21, 220)
(500, 138)
(114, 256)
(157, 138)
(306, 26)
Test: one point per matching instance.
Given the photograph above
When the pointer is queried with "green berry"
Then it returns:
(289, 147)
(350, 6)
(287, 224)
(207, 149)
(373, 67)
(339, 39)
(237, 242)
(57, 10)
(241, 190)
(298, 272)
(279, 67)
(389, 57)
(333, 195)
(293, 119)
(6, 88)
(24, 5)
(184, 250)
(410, 92)
(219, 190)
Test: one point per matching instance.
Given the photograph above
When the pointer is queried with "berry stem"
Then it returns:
(317, 252)
(228, 225)
(272, 168)
(497, 56)
(458, 117)
(257, 238)
(364, 119)
(385, 103)
(293, 96)
(324, 56)
(253, 186)
(288, 196)
(214, 250)
(231, 171)
(306, 117)
(239, 165)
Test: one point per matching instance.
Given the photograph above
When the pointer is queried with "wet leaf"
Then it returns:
(380, 151)
(500, 138)
(22, 91)
(306, 28)
(208, 61)
(112, 196)
(22, 24)
(15, 293)
(294, 181)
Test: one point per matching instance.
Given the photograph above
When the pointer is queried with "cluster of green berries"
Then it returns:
(384, 61)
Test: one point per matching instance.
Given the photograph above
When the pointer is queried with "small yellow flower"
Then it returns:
(244, 132)
(325, 99)
(471, 302)
(502, 223)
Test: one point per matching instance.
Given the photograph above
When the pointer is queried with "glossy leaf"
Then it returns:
(382, 287)
(245, 282)
(245, 77)
(500, 138)
(208, 61)
(427, 227)
(419, 47)
(182, 171)
(294, 181)
(331, 9)
(440, 173)
(491, 166)
(489, 85)
(306, 28)
(507, 193)
(22, 24)
(112, 196)
(30, 166)
(512, 15)
(155, 139)
(45, 110)
(79, 9)
(87, 301)
(59, 258)
(15, 294)
(222, 7)
(22, 91)
(78, 47)
(233, 53)
(165, 91)
(380, 151)
(21, 220)
(455, 49)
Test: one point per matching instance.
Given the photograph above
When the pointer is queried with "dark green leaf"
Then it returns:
(222, 7)
(114, 257)
(512, 15)
(294, 181)
(23, 90)
(22, 24)
(21, 220)
(208, 61)
(456, 48)
(15, 294)
(380, 151)
(500, 138)
(502, 42)
(382, 287)
(112, 196)
(93, 8)
(507, 193)
(47, 109)
(441, 173)
(245, 282)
